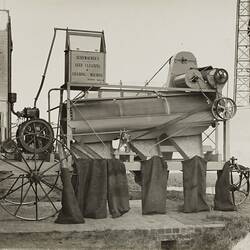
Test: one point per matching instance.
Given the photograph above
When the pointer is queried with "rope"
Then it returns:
(147, 82)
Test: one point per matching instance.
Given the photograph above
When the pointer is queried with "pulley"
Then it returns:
(35, 136)
(220, 76)
(9, 146)
(224, 108)
(215, 77)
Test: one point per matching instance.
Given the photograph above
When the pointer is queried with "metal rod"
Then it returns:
(36, 200)
(7, 11)
(103, 87)
(226, 141)
(40, 165)
(155, 74)
(14, 190)
(59, 162)
(13, 184)
(13, 165)
(69, 131)
(217, 138)
(77, 30)
(51, 185)
(21, 203)
(47, 196)
(49, 109)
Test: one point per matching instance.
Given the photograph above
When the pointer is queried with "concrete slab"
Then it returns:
(131, 228)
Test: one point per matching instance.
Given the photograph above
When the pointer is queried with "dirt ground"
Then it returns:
(53, 239)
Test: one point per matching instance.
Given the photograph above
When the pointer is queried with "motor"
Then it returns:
(34, 135)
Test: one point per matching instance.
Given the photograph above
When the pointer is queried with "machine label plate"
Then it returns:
(87, 67)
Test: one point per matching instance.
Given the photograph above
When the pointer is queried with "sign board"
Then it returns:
(87, 67)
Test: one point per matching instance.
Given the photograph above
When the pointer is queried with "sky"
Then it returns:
(140, 36)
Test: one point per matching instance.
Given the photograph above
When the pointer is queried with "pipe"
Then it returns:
(45, 69)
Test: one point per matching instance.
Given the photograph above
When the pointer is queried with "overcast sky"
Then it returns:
(140, 36)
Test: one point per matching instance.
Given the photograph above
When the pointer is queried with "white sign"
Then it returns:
(87, 67)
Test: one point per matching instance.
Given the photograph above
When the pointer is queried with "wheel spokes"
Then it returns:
(8, 177)
(47, 196)
(50, 185)
(11, 190)
(224, 108)
(59, 162)
(239, 184)
(30, 192)
(13, 165)
(22, 200)
(36, 201)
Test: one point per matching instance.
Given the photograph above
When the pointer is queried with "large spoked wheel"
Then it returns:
(30, 187)
(240, 186)
(224, 108)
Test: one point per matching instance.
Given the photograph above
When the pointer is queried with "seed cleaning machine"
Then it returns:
(101, 120)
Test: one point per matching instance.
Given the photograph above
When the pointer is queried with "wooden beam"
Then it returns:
(137, 151)
(175, 165)
(179, 149)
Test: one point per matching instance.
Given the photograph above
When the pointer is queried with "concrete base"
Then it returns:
(131, 231)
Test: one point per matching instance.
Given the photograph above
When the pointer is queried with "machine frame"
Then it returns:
(34, 150)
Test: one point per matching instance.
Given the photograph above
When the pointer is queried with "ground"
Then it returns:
(212, 230)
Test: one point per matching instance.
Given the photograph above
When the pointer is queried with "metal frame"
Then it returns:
(68, 54)
(242, 54)
(213, 135)
(98, 87)
(6, 116)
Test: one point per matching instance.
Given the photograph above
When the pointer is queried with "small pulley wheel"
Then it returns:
(224, 108)
(9, 146)
(220, 76)
(35, 136)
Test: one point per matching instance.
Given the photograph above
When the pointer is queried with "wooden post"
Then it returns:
(121, 91)
(99, 94)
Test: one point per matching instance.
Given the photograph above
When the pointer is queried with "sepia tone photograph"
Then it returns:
(125, 124)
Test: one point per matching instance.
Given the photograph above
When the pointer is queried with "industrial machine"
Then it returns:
(101, 120)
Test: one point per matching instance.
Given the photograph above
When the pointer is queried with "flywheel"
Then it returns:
(35, 136)
(224, 108)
